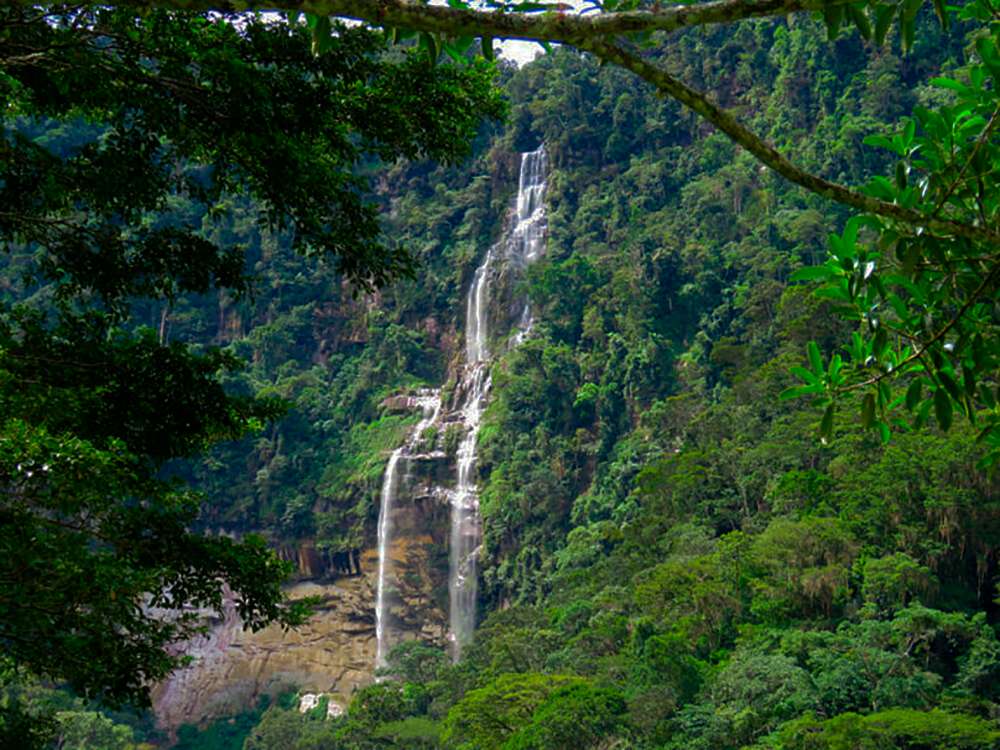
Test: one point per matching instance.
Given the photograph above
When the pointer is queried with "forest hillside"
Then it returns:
(671, 555)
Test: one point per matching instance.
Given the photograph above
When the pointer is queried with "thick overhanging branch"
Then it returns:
(543, 27)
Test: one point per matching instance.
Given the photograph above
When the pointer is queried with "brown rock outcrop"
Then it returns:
(232, 667)
(334, 652)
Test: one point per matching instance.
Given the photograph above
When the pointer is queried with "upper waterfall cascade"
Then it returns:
(522, 243)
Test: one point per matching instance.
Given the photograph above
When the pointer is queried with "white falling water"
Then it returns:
(524, 243)
(429, 402)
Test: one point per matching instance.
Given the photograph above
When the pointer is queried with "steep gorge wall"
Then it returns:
(233, 667)
(334, 652)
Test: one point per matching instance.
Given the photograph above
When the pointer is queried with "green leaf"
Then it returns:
(950, 385)
(942, 13)
(969, 383)
(832, 17)
(833, 371)
(850, 233)
(487, 45)
(431, 45)
(857, 348)
(815, 358)
(449, 49)
(811, 273)
(883, 20)
(949, 83)
(914, 394)
(943, 409)
(880, 342)
(881, 187)
(907, 25)
(834, 292)
(826, 424)
(884, 432)
(861, 21)
(878, 141)
(797, 391)
(867, 411)
(807, 375)
(922, 414)
(320, 34)
(884, 393)
(980, 356)
(456, 48)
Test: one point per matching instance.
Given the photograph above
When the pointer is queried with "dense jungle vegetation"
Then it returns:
(672, 558)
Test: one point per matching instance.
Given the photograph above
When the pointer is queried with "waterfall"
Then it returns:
(521, 245)
(465, 524)
(429, 403)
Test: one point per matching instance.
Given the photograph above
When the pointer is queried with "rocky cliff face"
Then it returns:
(232, 667)
(417, 601)
(334, 652)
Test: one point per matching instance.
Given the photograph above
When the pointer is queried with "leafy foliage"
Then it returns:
(924, 303)
(130, 140)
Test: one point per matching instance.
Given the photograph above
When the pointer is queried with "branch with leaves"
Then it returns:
(926, 305)
(459, 22)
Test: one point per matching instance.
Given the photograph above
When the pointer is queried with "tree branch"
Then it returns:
(547, 27)
(983, 138)
(979, 292)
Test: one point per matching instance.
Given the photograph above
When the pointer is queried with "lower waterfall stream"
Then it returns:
(429, 402)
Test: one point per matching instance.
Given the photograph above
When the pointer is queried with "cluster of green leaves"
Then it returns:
(137, 151)
(927, 336)
(278, 140)
(874, 20)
